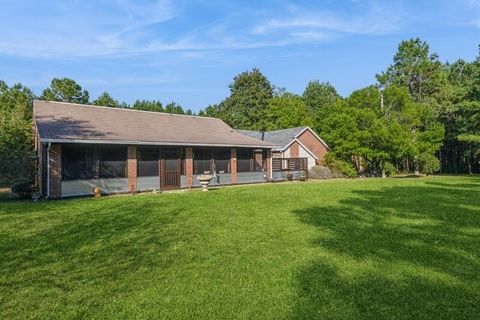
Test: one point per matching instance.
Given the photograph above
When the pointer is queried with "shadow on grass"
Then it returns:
(96, 247)
(401, 252)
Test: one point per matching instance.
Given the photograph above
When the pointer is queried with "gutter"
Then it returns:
(48, 170)
(180, 144)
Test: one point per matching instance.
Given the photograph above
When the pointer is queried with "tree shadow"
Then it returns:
(98, 251)
(51, 127)
(400, 252)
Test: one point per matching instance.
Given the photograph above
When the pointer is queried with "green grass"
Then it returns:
(349, 249)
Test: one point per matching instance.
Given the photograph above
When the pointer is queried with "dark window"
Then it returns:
(112, 161)
(245, 160)
(147, 161)
(201, 160)
(77, 162)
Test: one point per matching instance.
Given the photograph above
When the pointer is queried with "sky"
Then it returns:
(190, 51)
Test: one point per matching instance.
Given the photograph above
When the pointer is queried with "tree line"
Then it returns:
(422, 115)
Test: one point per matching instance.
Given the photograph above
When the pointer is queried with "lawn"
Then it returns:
(346, 249)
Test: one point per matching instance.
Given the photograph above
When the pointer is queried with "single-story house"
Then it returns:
(299, 142)
(80, 147)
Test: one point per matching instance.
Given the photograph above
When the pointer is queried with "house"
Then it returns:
(299, 142)
(119, 150)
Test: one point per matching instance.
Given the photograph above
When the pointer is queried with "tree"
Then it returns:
(173, 107)
(210, 111)
(415, 68)
(147, 105)
(65, 90)
(16, 143)
(319, 95)
(105, 99)
(250, 94)
(286, 111)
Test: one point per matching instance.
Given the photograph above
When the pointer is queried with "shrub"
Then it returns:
(389, 168)
(341, 166)
(428, 163)
(24, 190)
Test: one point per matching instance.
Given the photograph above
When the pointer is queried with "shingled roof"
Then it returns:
(280, 138)
(76, 123)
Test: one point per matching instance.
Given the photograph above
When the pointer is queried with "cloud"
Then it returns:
(373, 19)
(110, 28)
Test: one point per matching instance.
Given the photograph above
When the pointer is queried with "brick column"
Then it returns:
(258, 160)
(268, 169)
(55, 171)
(233, 165)
(294, 150)
(132, 168)
(189, 166)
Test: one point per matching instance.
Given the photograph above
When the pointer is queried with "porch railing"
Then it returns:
(289, 164)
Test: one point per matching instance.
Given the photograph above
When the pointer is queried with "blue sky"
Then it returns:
(189, 51)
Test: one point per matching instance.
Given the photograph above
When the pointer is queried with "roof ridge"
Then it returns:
(125, 109)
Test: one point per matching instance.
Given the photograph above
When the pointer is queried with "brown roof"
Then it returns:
(76, 123)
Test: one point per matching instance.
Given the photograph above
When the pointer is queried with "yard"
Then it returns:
(346, 249)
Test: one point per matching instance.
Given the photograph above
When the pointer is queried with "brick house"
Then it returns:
(299, 142)
(119, 150)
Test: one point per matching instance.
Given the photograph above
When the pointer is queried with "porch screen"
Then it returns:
(245, 160)
(201, 160)
(221, 159)
(147, 162)
(77, 162)
(113, 161)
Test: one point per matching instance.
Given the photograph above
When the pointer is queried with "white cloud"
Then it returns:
(127, 27)
(373, 19)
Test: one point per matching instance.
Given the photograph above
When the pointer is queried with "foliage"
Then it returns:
(16, 141)
(320, 95)
(173, 107)
(65, 90)
(147, 105)
(337, 165)
(389, 168)
(106, 100)
(415, 68)
(286, 111)
(245, 108)
(366, 249)
(428, 163)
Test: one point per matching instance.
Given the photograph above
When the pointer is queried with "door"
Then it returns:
(170, 165)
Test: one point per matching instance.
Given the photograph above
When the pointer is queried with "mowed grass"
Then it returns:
(347, 249)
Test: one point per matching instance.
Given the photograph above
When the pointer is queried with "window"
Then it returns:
(147, 161)
(77, 162)
(244, 160)
(112, 161)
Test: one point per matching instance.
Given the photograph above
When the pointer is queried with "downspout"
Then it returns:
(48, 170)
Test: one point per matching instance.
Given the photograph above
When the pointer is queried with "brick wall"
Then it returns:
(55, 174)
(294, 150)
(309, 140)
(132, 168)
(233, 165)
(189, 166)
(268, 169)
(258, 161)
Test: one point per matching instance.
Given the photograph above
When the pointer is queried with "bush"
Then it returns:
(389, 168)
(428, 163)
(24, 190)
(340, 166)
